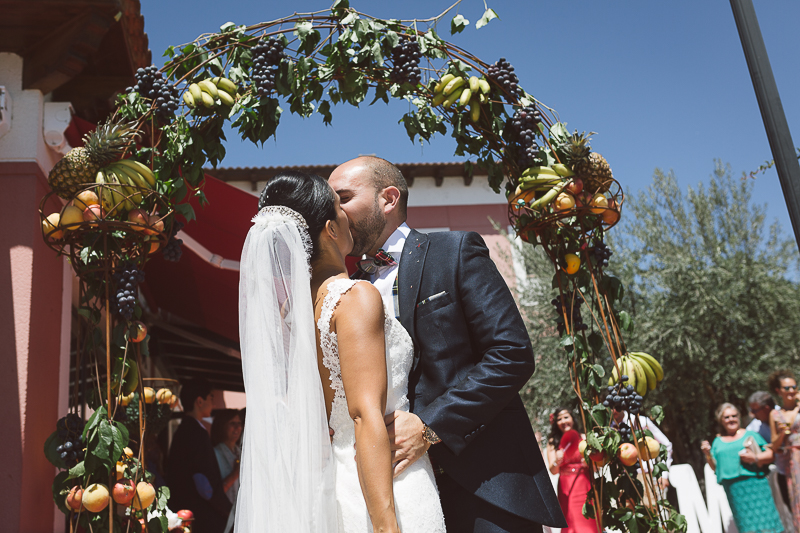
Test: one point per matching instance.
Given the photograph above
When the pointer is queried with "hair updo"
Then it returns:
(308, 194)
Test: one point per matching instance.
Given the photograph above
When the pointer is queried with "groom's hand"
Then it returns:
(405, 436)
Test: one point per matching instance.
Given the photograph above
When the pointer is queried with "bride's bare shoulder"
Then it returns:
(362, 297)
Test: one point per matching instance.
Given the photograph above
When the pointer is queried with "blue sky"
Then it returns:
(665, 84)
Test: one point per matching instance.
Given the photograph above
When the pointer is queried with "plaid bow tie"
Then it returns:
(371, 265)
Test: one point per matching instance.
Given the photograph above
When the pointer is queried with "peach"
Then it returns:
(154, 225)
(120, 470)
(155, 244)
(137, 332)
(50, 225)
(598, 457)
(138, 217)
(128, 452)
(84, 199)
(71, 217)
(92, 213)
(650, 446)
(573, 263)
(185, 515)
(95, 497)
(173, 401)
(145, 495)
(123, 492)
(164, 396)
(628, 455)
(564, 202)
(125, 400)
(599, 204)
(74, 498)
(149, 395)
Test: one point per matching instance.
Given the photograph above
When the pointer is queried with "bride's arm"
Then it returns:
(358, 322)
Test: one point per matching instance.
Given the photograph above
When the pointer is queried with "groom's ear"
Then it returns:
(391, 198)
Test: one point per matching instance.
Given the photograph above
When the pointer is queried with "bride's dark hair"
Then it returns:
(308, 194)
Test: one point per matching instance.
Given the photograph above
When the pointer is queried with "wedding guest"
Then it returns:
(739, 472)
(761, 405)
(785, 425)
(192, 471)
(565, 459)
(225, 434)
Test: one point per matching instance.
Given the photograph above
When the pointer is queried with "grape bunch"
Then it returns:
(625, 432)
(266, 56)
(127, 279)
(623, 398)
(172, 251)
(405, 63)
(574, 311)
(503, 73)
(150, 83)
(601, 254)
(70, 432)
(523, 128)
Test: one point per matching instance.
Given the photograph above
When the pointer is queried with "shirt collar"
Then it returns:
(394, 244)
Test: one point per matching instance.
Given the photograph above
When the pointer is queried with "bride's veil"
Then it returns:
(286, 469)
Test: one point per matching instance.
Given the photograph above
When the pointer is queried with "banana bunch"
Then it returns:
(471, 92)
(124, 182)
(549, 182)
(207, 93)
(641, 369)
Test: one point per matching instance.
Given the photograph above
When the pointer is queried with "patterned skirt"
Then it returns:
(752, 505)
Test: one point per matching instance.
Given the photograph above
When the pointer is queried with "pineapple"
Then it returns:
(80, 165)
(591, 167)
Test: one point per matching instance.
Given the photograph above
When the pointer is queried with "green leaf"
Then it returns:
(599, 370)
(227, 27)
(79, 470)
(162, 498)
(324, 109)
(487, 16)
(657, 414)
(625, 322)
(60, 484)
(303, 28)
(458, 24)
(392, 39)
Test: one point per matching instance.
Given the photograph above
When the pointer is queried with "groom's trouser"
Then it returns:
(464, 512)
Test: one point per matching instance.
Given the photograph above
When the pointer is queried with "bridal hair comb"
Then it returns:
(280, 214)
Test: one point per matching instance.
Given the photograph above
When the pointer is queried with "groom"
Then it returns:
(472, 355)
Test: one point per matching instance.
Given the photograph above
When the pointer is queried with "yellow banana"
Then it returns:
(654, 364)
(482, 98)
(209, 88)
(548, 197)
(614, 374)
(454, 84)
(439, 98)
(475, 111)
(563, 170)
(447, 78)
(196, 92)
(641, 377)
(111, 199)
(466, 94)
(225, 84)
(484, 85)
(207, 100)
(124, 191)
(540, 171)
(629, 372)
(451, 99)
(142, 169)
(474, 84)
(131, 178)
(189, 99)
(226, 99)
(648, 371)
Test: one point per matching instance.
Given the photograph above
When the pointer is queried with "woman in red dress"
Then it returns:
(574, 482)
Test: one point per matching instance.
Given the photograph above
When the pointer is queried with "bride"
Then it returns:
(319, 352)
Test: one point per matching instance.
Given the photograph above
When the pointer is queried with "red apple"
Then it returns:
(123, 492)
(598, 457)
(74, 498)
(92, 213)
(599, 203)
(137, 332)
(628, 454)
(575, 186)
(185, 515)
(138, 217)
(154, 225)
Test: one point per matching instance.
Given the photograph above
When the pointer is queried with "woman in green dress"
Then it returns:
(739, 472)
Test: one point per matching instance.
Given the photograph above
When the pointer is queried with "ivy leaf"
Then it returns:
(302, 29)
(458, 24)
(487, 16)
(162, 498)
(324, 109)
(79, 470)
(392, 39)
(657, 414)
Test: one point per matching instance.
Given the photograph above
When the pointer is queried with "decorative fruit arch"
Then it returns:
(127, 186)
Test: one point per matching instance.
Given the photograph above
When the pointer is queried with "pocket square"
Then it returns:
(429, 299)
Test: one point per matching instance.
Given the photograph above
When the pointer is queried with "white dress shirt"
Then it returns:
(383, 279)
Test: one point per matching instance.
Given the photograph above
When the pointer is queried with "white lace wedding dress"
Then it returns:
(416, 498)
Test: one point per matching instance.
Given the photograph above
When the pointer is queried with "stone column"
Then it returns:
(35, 299)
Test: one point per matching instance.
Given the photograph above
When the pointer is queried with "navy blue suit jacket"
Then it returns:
(472, 355)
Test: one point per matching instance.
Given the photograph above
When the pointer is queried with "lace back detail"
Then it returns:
(328, 342)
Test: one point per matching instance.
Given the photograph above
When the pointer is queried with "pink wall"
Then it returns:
(31, 282)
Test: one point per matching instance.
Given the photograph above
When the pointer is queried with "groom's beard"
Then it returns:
(366, 231)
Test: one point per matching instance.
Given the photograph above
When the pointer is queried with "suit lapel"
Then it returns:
(409, 276)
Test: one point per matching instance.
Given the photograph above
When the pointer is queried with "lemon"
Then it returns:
(573, 263)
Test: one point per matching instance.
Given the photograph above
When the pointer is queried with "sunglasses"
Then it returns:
(789, 387)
